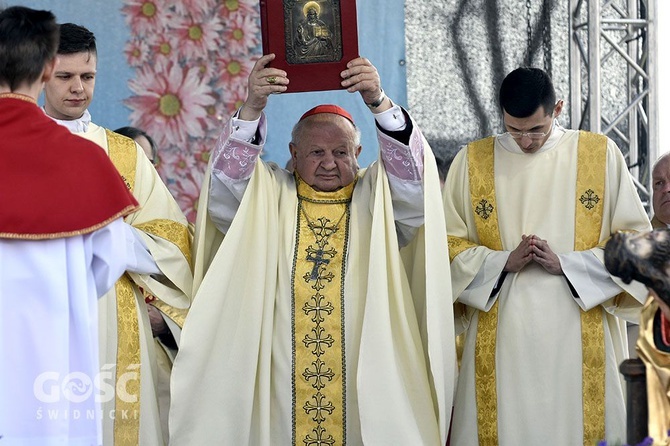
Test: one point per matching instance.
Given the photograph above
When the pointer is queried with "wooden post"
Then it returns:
(637, 409)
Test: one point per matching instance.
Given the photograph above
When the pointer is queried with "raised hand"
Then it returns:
(263, 81)
(362, 76)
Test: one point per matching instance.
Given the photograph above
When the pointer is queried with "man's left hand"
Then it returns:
(543, 255)
(362, 76)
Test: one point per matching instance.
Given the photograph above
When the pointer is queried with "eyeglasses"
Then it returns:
(531, 135)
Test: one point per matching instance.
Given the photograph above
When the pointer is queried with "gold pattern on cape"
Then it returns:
(318, 309)
(591, 162)
(123, 155)
(588, 221)
(19, 96)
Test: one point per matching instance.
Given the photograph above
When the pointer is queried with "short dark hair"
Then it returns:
(524, 90)
(134, 132)
(28, 41)
(76, 39)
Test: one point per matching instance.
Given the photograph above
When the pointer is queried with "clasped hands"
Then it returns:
(533, 249)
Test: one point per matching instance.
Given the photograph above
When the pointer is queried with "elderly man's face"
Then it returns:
(661, 190)
(325, 153)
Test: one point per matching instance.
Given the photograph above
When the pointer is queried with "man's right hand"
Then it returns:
(521, 255)
(263, 81)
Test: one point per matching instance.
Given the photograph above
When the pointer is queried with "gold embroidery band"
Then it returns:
(172, 231)
(482, 195)
(127, 395)
(177, 315)
(123, 154)
(318, 340)
(591, 162)
(457, 245)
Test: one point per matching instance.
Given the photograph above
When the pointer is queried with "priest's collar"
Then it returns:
(508, 143)
(75, 125)
(306, 192)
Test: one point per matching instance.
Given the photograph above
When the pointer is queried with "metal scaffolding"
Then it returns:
(614, 78)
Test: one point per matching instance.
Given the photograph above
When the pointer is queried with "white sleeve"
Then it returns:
(140, 259)
(482, 292)
(589, 278)
(108, 250)
(391, 120)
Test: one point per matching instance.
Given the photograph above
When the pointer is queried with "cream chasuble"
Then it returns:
(309, 328)
(133, 363)
(536, 367)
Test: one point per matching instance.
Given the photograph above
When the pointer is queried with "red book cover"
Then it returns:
(313, 40)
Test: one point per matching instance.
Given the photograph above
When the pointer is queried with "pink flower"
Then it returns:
(162, 46)
(137, 52)
(202, 148)
(146, 17)
(187, 191)
(232, 100)
(234, 71)
(241, 35)
(229, 8)
(170, 103)
(191, 7)
(178, 161)
(196, 36)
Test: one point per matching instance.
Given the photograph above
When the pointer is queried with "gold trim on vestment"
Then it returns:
(123, 154)
(483, 199)
(177, 315)
(66, 234)
(172, 231)
(19, 96)
(457, 245)
(591, 162)
(319, 384)
(127, 390)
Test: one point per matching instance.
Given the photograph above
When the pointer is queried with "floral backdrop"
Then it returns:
(191, 60)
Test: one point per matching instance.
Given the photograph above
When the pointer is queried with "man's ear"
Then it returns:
(49, 69)
(293, 149)
(558, 108)
(358, 150)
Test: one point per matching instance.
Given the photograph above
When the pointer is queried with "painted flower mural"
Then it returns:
(191, 61)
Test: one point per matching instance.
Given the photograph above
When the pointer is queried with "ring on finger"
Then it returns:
(271, 80)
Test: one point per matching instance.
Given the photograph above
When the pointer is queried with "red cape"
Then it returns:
(53, 183)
